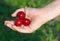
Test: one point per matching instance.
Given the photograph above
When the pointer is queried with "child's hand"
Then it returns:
(38, 17)
(36, 21)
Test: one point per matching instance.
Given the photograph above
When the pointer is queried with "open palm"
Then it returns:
(38, 18)
(33, 14)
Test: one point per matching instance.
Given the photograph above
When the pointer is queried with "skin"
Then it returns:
(38, 17)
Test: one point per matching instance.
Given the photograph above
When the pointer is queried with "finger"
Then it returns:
(9, 24)
(27, 28)
(22, 30)
(19, 29)
(15, 13)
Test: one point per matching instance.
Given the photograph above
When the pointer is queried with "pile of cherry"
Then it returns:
(22, 20)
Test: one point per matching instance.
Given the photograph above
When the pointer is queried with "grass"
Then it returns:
(48, 32)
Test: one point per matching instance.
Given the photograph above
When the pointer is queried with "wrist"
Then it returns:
(56, 0)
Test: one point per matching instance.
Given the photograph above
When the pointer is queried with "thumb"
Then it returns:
(15, 13)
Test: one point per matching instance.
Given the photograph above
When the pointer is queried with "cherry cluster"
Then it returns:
(22, 20)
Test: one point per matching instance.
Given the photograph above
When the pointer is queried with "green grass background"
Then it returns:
(48, 32)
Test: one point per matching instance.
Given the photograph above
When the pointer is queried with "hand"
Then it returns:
(36, 21)
(38, 17)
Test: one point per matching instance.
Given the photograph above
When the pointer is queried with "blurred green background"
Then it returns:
(48, 32)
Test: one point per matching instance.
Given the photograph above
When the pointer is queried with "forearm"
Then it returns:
(52, 10)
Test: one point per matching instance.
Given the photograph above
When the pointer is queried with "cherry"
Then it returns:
(18, 22)
(22, 20)
(26, 22)
(21, 15)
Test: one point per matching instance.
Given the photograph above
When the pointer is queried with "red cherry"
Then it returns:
(26, 22)
(18, 22)
(21, 15)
